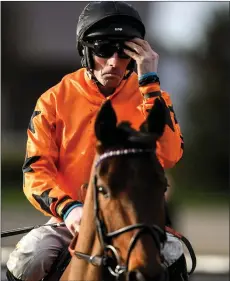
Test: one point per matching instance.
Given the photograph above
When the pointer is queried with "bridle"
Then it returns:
(105, 237)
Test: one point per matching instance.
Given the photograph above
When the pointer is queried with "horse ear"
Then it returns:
(105, 124)
(156, 119)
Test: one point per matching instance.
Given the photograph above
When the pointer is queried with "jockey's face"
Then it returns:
(110, 71)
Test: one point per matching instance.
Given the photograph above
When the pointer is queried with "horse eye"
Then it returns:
(103, 190)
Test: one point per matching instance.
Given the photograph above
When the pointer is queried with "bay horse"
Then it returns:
(123, 221)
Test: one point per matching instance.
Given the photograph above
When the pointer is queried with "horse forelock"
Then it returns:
(132, 136)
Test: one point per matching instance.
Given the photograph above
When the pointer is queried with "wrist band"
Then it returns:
(143, 76)
(150, 78)
(70, 209)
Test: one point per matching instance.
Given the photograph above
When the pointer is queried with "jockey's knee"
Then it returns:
(35, 254)
(32, 266)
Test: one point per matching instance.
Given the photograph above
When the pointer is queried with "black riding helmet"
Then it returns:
(110, 20)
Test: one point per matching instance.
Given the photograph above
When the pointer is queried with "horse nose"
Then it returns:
(135, 275)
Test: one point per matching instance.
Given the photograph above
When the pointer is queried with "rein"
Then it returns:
(105, 237)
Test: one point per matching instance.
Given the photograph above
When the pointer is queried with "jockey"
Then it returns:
(61, 143)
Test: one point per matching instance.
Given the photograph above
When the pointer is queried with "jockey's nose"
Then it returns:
(114, 59)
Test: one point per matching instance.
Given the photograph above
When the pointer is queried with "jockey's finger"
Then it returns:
(135, 47)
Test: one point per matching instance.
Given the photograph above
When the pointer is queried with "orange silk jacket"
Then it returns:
(61, 141)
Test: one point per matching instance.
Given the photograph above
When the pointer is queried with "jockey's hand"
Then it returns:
(146, 59)
(73, 220)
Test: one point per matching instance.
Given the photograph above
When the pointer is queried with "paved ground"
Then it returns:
(12, 219)
(210, 278)
(206, 228)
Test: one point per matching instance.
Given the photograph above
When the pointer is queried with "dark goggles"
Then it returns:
(106, 48)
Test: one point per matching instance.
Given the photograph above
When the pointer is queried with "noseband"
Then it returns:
(105, 237)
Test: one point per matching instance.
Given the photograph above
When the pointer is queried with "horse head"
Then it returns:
(129, 186)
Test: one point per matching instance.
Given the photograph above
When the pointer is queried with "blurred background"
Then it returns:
(192, 39)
